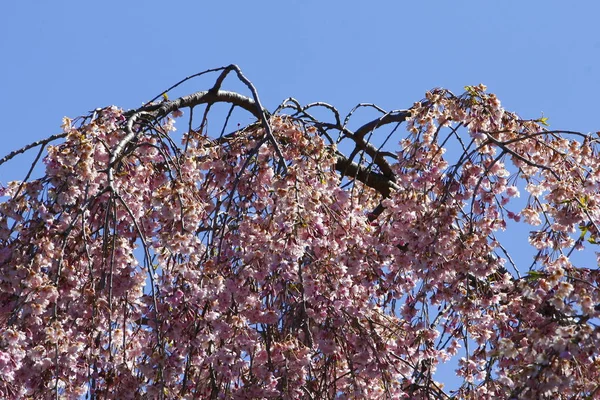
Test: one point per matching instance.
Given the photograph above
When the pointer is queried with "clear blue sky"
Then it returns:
(69, 57)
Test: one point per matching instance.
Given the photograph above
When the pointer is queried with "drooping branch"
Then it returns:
(375, 180)
(382, 182)
(205, 97)
(42, 142)
(389, 118)
(161, 110)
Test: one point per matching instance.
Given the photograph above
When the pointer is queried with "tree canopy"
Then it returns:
(301, 256)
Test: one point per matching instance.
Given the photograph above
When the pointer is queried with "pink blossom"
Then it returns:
(245, 266)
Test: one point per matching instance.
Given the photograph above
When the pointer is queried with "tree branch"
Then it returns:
(375, 180)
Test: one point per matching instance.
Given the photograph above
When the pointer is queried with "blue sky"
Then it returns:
(69, 57)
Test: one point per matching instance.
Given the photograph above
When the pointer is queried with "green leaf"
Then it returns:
(535, 275)
(584, 230)
(471, 90)
(543, 120)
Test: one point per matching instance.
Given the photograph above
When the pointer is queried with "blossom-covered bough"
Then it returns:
(294, 258)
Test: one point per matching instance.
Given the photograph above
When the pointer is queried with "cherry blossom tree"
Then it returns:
(301, 257)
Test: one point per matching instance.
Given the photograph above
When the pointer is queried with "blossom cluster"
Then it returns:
(206, 270)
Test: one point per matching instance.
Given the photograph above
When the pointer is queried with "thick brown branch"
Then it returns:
(399, 116)
(375, 180)
(205, 97)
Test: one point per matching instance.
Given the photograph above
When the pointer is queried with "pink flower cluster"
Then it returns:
(205, 271)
